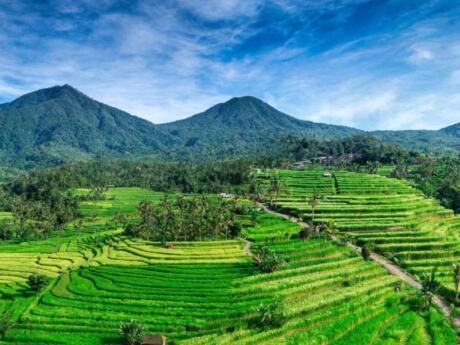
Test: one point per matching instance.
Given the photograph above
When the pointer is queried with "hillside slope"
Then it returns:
(244, 125)
(443, 141)
(62, 124)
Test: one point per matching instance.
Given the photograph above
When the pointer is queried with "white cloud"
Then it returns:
(419, 55)
(155, 64)
(221, 9)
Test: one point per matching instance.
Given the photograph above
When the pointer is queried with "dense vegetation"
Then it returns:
(362, 148)
(185, 219)
(164, 177)
(204, 292)
(60, 125)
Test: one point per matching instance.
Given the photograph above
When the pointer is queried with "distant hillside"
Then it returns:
(443, 141)
(62, 124)
(244, 125)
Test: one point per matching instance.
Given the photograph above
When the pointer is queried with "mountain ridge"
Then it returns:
(61, 124)
(217, 130)
(65, 124)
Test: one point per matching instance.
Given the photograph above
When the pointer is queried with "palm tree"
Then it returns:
(373, 167)
(329, 229)
(314, 200)
(456, 277)
(274, 188)
(78, 226)
(430, 286)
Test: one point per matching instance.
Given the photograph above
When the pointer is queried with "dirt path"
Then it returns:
(440, 301)
(247, 246)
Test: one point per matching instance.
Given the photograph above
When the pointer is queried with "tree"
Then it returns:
(314, 200)
(456, 278)
(37, 282)
(306, 232)
(429, 282)
(133, 332)
(269, 316)
(274, 189)
(78, 226)
(5, 324)
(430, 286)
(266, 261)
(365, 253)
(329, 229)
(373, 167)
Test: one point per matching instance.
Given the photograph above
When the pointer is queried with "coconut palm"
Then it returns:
(456, 278)
(314, 200)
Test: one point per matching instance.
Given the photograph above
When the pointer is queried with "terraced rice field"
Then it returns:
(388, 215)
(181, 292)
(332, 296)
(204, 292)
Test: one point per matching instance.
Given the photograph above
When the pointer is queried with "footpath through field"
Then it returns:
(440, 301)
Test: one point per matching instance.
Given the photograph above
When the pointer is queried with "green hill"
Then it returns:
(62, 124)
(244, 125)
(443, 141)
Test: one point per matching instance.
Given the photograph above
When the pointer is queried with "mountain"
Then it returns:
(440, 142)
(62, 124)
(453, 130)
(244, 125)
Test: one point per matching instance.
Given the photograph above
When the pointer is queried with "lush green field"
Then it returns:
(332, 296)
(387, 215)
(204, 292)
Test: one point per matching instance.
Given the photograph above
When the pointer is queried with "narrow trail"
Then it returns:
(440, 301)
(247, 247)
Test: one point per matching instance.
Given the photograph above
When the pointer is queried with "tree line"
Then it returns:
(38, 204)
(365, 148)
(184, 219)
(41, 201)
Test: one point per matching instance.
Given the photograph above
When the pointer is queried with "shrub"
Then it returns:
(365, 253)
(269, 316)
(349, 282)
(5, 324)
(266, 261)
(133, 332)
(37, 282)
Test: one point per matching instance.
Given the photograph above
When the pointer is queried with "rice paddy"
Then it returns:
(387, 215)
(207, 292)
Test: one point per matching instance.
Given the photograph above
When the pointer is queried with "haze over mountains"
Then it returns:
(61, 124)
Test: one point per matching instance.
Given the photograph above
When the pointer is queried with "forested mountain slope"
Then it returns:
(244, 125)
(61, 124)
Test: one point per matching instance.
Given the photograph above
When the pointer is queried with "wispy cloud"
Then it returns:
(362, 63)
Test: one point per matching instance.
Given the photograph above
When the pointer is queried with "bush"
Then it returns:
(365, 253)
(37, 282)
(5, 324)
(269, 316)
(133, 332)
(266, 261)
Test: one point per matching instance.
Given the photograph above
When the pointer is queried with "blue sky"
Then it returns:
(368, 64)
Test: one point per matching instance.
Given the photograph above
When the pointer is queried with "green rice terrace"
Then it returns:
(384, 214)
(207, 292)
